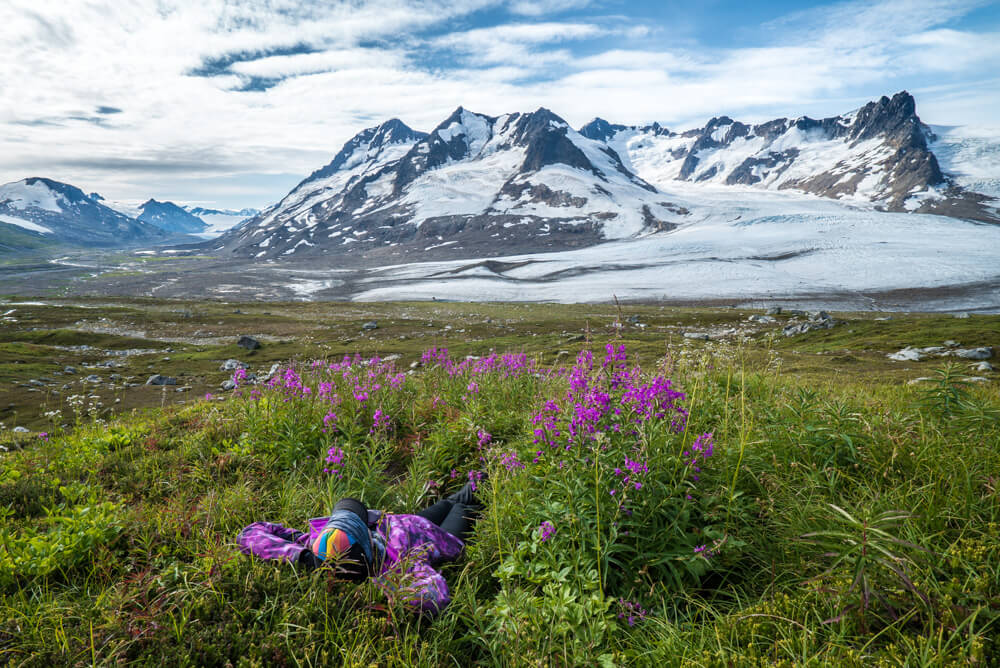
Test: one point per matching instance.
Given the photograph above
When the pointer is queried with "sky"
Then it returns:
(230, 103)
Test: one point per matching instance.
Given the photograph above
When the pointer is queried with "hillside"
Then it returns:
(696, 502)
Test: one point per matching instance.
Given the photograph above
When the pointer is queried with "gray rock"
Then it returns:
(774, 310)
(36, 383)
(92, 378)
(248, 342)
(115, 376)
(962, 316)
(20, 430)
(633, 319)
(984, 366)
(906, 355)
(157, 379)
(819, 315)
(976, 379)
(975, 353)
(233, 365)
(70, 370)
(371, 324)
(228, 385)
(763, 319)
(950, 343)
(700, 336)
(270, 374)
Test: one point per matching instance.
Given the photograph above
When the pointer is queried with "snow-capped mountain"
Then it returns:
(528, 182)
(518, 181)
(170, 217)
(63, 214)
(879, 154)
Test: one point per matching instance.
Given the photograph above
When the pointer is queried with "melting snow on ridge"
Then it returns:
(26, 224)
(22, 196)
(971, 155)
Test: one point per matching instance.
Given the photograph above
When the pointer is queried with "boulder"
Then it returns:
(20, 430)
(699, 336)
(984, 366)
(951, 343)
(762, 319)
(975, 353)
(774, 310)
(157, 379)
(962, 316)
(270, 373)
(907, 354)
(69, 370)
(228, 385)
(248, 342)
(92, 378)
(370, 325)
(233, 365)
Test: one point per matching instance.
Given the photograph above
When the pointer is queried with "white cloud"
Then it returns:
(341, 65)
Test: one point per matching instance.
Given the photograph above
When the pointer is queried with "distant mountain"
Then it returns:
(52, 212)
(879, 154)
(170, 217)
(526, 182)
(513, 182)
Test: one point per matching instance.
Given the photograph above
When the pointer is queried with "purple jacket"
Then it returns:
(413, 545)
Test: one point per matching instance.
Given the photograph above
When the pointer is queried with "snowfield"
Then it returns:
(743, 245)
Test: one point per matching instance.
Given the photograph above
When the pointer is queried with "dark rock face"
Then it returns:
(248, 342)
(80, 219)
(170, 217)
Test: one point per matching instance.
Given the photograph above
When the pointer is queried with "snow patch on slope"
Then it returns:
(26, 224)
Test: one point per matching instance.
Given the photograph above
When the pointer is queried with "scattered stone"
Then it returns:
(907, 354)
(950, 343)
(370, 325)
(962, 316)
(391, 358)
(774, 310)
(922, 379)
(36, 382)
(270, 374)
(248, 342)
(984, 366)
(416, 365)
(633, 320)
(115, 376)
(228, 385)
(157, 379)
(975, 353)
(233, 365)
(92, 378)
(700, 336)
(183, 389)
(20, 430)
(976, 379)
(574, 338)
(819, 315)
(70, 370)
(762, 319)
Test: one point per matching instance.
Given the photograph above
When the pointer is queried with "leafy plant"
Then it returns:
(947, 394)
(862, 550)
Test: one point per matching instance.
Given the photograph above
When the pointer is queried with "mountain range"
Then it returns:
(36, 213)
(479, 185)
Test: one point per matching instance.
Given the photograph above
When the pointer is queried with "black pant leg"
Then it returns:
(438, 512)
(459, 521)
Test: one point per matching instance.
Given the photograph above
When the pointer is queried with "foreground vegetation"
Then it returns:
(758, 501)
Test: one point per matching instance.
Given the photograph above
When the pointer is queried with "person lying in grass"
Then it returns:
(364, 543)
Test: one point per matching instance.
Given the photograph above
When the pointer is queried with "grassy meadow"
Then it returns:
(651, 498)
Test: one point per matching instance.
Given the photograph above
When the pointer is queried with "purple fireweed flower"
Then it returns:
(484, 437)
(547, 528)
(334, 459)
(511, 462)
(380, 421)
(239, 376)
(631, 612)
(472, 387)
(474, 477)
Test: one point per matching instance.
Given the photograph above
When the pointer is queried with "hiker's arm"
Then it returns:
(271, 541)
